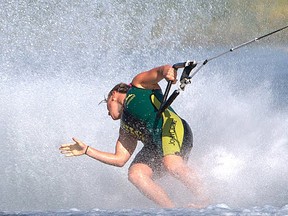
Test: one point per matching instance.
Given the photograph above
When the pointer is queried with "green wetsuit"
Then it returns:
(162, 136)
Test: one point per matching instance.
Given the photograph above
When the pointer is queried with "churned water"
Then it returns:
(59, 59)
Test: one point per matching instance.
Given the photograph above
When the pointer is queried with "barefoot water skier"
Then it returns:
(167, 138)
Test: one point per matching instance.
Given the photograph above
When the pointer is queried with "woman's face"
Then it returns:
(114, 107)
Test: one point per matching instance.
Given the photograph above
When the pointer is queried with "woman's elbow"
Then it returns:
(120, 163)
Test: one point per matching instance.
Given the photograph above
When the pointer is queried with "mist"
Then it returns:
(59, 59)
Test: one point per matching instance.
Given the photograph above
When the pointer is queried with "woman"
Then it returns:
(167, 139)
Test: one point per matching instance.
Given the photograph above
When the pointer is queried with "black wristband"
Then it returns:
(86, 150)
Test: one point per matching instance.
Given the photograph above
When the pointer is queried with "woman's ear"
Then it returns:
(113, 95)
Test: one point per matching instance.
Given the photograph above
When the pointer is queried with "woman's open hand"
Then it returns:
(73, 149)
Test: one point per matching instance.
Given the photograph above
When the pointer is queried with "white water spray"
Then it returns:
(60, 58)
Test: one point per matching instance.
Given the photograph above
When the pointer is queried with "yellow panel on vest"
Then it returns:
(172, 130)
(172, 133)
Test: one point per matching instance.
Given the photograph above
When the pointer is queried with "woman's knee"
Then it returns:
(175, 165)
(139, 172)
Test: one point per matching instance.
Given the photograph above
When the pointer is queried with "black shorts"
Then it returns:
(152, 156)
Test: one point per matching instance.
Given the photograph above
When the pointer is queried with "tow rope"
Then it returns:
(190, 65)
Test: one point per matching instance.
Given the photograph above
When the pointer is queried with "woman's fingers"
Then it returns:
(69, 154)
(64, 148)
(76, 140)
